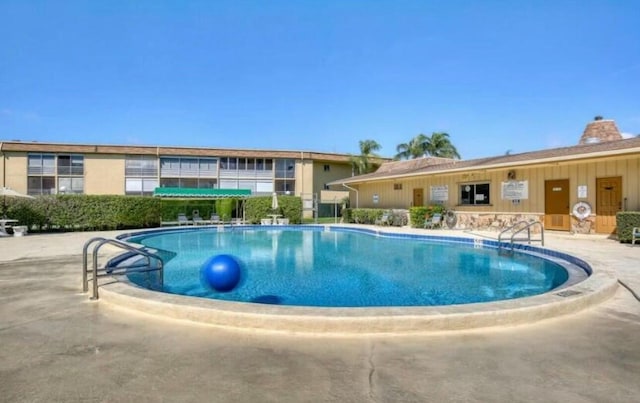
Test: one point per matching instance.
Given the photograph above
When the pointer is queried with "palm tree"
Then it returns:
(414, 149)
(361, 164)
(439, 145)
(436, 145)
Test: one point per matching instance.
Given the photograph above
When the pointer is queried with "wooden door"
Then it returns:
(418, 197)
(608, 203)
(556, 205)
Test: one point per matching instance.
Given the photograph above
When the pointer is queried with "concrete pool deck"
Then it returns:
(56, 345)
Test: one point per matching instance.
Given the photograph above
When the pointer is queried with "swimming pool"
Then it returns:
(317, 266)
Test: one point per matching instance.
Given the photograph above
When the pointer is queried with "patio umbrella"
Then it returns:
(274, 201)
(6, 192)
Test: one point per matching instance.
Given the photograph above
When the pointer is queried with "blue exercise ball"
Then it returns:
(221, 272)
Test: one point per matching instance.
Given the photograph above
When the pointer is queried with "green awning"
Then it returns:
(202, 193)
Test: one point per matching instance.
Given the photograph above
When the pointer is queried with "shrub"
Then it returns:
(289, 207)
(363, 215)
(625, 222)
(86, 212)
(421, 213)
(347, 215)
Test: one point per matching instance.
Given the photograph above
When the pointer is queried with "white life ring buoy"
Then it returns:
(581, 210)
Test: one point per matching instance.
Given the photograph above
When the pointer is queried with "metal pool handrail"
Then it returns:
(527, 227)
(95, 271)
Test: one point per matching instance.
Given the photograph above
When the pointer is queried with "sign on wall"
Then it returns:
(439, 193)
(582, 191)
(515, 190)
(376, 198)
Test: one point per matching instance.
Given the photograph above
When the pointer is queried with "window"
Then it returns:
(41, 164)
(43, 168)
(474, 193)
(284, 186)
(327, 168)
(41, 185)
(177, 167)
(140, 186)
(170, 182)
(202, 183)
(71, 185)
(285, 168)
(397, 186)
(141, 172)
(169, 166)
(208, 167)
(326, 187)
(189, 167)
(140, 165)
(71, 165)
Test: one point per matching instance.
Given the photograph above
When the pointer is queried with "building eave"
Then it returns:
(25, 146)
(369, 178)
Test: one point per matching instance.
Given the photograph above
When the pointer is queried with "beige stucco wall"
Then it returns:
(336, 171)
(584, 172)
(14, 171)
(311, 177)
(304, 177)
(104, 174)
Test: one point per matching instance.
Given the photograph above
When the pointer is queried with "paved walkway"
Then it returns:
(57, 346)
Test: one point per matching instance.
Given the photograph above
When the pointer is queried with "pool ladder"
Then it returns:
(526, 226)
(152, 262)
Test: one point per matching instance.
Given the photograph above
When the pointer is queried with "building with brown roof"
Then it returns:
(578, 188)
(37, 168)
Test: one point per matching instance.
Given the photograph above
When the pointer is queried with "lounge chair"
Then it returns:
(635, 235)
(435, 221)
(215, 219)
(197, 220)
(183, 220)
(266, 221)
(384, 220)
(283, 221)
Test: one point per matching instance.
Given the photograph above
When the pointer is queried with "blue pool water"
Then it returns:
(309, 266)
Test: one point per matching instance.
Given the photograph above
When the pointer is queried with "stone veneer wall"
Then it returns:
(491, 221)
(498, 222)
(586, 226)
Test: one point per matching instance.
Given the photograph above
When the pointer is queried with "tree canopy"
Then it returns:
(361, 164)
(436, 145)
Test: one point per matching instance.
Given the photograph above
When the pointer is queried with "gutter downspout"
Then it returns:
(302, 174)
(355, 190)
(4, 166)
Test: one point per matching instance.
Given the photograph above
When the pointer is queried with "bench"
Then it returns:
(635, 235)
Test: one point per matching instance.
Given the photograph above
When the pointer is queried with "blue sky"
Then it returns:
(318, 75)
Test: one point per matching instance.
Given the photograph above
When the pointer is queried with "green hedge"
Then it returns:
(419, 214)
(289, 207)
(85, 212)
(625, 222)
(170, 208)
(92, 212)
(362, 215)
(224, 208)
